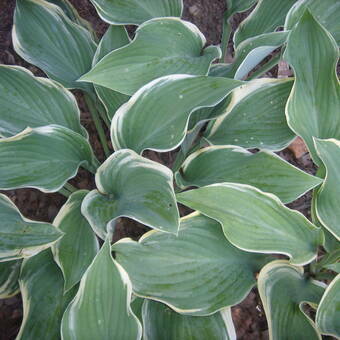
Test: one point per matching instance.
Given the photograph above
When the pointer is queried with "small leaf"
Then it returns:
(101, 308)
(161, 322)
(135, 12)
(319, 115)
(327, 197)
(160, 47)
(9, 276)
(148, 120)
(256, 221)
(45, 37)
(115, 37)
(284, 290)
(44, 302)
(326, 11)
(135, 187)
(266, 17)
(255, 117)
(76, 250)
(197, 272)
(264, 170)
(28, 101)
(21, 237)
(45, 158)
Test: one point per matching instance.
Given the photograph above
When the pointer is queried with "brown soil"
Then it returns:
(249, 318)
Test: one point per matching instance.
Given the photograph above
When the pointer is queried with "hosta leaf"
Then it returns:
(236, 6)
(45, 158)
(256, 221)
(136, 12)
(148, 120)
(28, 101)
(266, 17)
(264, 170)
(313, 110)
(326, 12)
(284, 290)
(197, 272)
(161, 322)
(44, 302)
(21, 237)
(44, 36)
(115, 37)
(135, 187)
(327, 198)
(255, 117)
(77, 248)
(101, 308)
(161, 47)
(9, 275)
(328, 313)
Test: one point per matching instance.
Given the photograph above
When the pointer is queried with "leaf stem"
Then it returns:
(64, 192)
(70, 187)
(225, 36)
(97, 123)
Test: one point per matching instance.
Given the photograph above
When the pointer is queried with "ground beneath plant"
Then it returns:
(248, 317)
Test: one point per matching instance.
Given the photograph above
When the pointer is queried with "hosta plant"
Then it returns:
(160, 93)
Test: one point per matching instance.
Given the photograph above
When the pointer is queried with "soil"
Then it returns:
(248, 316)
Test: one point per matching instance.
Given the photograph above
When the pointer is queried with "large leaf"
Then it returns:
(9, 275)
(161, 47)
(256, 221)
(21, 237)
(132, 186)
(77, 248)
(327, 198)
(149, 121)
(125, 12)
(45, 158)
(255, 117)
(44, 302)
(328, 313)
(313, 110)
(263, 170)
(284, 290)
(44, 36)
(101, 308)
(266, 17)
(115, 37)
(326, 11)
(197, 272)
(28, 101)
(161, 322)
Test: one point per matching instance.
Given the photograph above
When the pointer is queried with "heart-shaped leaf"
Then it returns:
(326, 11)
(255, 117)
(161, 47)
(197, 272)
(328, 313)
(148, 120)
(28, 101)
(115, 37)
(44, 301)
(45, 158)
(9, 276)
(161, 322)
(256, 221)
(135, 187)
(101, 308)
(284, 290)
(45, 37)
(77, 248)
(313, 110)
(327, 197)
(21, 237)
(264, 170)
(135, 12)
(266, 17)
